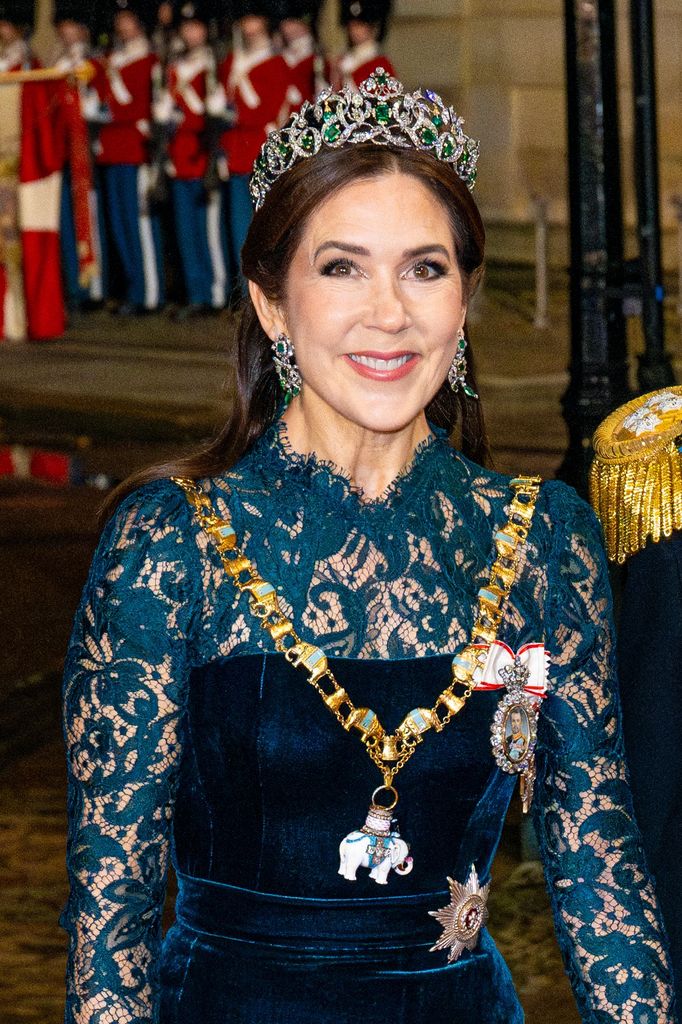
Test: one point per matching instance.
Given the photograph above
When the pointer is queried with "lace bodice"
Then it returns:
(395, 578)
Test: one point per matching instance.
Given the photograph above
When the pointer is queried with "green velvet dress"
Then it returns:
(191, 740)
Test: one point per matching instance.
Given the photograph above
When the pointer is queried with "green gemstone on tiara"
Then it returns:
(380, 113)
(331, 132)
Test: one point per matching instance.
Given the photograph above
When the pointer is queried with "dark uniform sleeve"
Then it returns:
(650, 668)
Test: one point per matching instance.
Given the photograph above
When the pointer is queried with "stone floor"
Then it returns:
(118, 395)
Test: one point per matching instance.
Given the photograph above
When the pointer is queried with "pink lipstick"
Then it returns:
(382, 365)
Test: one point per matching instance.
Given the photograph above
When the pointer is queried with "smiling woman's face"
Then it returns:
(374, 302)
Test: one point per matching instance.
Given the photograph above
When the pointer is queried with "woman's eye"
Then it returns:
(427, 270)
(338, 268)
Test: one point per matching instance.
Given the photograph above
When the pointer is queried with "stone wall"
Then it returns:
(501, 62)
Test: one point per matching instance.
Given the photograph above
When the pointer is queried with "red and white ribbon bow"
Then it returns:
(533, 656)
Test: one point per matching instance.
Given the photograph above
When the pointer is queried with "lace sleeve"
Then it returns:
(123, 694)
(606, 915)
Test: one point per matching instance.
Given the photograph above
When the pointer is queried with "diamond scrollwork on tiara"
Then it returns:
(381, 113)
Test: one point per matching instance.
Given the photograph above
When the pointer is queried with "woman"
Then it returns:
(339, 531)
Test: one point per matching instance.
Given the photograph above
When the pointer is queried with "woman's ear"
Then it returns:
(269, 313)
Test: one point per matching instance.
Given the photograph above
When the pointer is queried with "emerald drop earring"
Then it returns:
(458, 369)
(287, 371)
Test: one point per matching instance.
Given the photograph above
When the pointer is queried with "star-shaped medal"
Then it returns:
(464, 916)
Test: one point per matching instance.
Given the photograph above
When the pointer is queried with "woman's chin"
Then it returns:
(380, 418)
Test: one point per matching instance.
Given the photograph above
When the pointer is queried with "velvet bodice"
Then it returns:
(185, 729)
(270, 837)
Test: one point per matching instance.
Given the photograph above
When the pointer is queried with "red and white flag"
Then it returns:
(32, 141)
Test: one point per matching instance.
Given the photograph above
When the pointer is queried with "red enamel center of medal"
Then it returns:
(472, 918)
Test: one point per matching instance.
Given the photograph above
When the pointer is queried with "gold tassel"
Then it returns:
(636, 475)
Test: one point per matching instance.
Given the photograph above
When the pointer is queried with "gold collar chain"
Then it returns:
(390, 753)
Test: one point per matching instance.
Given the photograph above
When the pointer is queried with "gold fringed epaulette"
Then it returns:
(636, 476)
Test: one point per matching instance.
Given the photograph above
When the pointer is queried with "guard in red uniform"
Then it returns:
(198, 211)
(31, 297)
(15, 20)
(124, 85)
(255, 80)
(300, 50)
(366, 22)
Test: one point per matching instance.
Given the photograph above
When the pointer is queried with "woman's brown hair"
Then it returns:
(270, 245)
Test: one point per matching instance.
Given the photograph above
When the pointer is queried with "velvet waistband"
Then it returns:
(228, 911)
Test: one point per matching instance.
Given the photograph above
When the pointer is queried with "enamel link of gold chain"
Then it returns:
(390, 753)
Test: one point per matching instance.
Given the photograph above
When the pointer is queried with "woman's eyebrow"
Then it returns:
(359, 250)
(422, 250)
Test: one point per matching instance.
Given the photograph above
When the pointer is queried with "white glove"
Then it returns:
(163, 108)
(216, 102)
(93, 109)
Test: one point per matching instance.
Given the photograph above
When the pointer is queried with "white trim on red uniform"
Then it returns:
(357, 56)
(151, 276)
(244, 61)
(133, 51)
(215, 249)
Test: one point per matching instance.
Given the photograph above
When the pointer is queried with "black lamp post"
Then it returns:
(598, 365)
(655, 370)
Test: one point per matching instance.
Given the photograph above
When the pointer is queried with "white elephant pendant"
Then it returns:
(377, 846)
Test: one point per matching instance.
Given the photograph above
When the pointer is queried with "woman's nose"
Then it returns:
(387, 309)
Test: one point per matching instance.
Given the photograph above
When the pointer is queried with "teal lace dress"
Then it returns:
(191, 740)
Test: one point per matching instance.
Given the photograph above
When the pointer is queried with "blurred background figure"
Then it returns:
(165, 38)
(16, 20)
(80, 224)
(298, 31)
(197, 201)
(366, 23)
(255, 80)
(73, 32)
(123, 83)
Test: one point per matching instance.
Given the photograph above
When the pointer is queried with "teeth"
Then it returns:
(381, 364)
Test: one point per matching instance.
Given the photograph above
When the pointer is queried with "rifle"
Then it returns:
(216, 124)
(161, 132)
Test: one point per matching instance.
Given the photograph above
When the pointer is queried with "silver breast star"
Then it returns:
(464, 916)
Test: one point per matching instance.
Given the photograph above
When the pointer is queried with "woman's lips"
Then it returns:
(382, 365)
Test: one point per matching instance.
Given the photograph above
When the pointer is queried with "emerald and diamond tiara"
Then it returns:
(381, 113)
